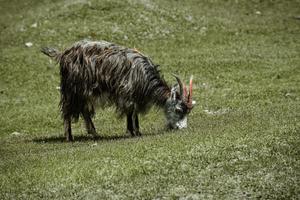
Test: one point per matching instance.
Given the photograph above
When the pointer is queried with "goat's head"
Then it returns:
(179, 104)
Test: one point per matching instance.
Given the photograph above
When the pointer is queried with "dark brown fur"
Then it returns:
(102, 71)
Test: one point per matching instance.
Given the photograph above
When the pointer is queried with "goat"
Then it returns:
(93, 71)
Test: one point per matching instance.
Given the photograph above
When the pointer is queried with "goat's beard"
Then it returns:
(182, 123)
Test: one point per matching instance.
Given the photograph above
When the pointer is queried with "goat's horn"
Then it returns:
(185, 91)
(191, 91)
(180, 84)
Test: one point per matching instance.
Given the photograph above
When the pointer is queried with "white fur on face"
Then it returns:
(182, 123)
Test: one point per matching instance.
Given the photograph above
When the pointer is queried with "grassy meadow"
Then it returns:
(243, 136)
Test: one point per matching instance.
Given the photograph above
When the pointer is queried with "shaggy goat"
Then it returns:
(93, 71)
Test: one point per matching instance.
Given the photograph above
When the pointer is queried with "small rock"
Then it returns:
(189, 18)
(16, 133)
(217, 112)
(28, 44)
(288, 94)
(33, 25)
(258, 12)
(203, 30)
(297, 17)
(95, 144)
(22, 29)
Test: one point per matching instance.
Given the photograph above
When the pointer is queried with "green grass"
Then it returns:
(243, 138)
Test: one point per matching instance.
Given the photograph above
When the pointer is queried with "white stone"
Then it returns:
(28, 44)
(33, 25)
(95, 144)
(16, 133)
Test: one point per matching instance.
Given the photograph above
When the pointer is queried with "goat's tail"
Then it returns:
(52, 53)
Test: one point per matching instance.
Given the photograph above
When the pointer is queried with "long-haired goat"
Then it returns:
(93, 71)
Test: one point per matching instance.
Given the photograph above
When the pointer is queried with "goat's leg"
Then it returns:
(136, 126)
(68, 129)
(89, 124)
(133, 123)
(130, 123)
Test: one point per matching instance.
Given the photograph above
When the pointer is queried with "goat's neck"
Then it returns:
(161, 94)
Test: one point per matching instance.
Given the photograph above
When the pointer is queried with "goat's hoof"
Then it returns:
(93, 133)
(137, 133)
(134, 133)
(129, 132)
(70, 139)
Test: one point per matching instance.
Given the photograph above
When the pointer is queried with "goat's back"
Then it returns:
(94, 70)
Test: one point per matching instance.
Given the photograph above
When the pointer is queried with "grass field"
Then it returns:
(243, 136)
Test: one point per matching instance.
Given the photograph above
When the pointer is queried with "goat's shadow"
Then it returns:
(79, 138)
(84, 138)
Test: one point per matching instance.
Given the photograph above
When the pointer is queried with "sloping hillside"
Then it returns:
(242, 139)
